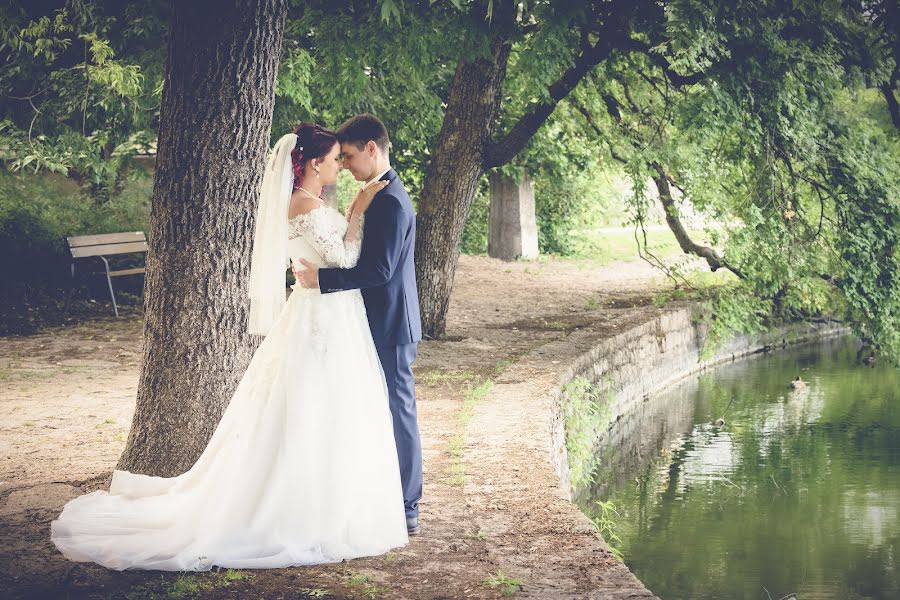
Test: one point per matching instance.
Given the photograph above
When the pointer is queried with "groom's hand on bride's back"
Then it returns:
(308, 276)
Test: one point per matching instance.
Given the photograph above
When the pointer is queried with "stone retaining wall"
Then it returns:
(644, 360)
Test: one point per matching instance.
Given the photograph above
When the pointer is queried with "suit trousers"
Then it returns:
(396, 362)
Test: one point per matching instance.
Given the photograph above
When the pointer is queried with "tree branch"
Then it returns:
(713, 259)
(626, 89)
(662, 181)
(894, 108)
(612, 107)
(657, 59)
(501, 152)
(593, 125)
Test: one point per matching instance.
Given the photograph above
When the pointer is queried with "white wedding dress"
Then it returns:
(302, 469)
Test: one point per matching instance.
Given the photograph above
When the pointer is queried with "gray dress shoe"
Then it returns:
(412, 526)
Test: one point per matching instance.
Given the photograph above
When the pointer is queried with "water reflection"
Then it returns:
(798, 491)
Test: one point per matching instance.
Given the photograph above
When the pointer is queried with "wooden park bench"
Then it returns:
(108, 244)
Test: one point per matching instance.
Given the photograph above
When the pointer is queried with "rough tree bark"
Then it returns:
(215, 122)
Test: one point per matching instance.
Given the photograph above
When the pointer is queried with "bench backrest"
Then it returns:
(107, 243)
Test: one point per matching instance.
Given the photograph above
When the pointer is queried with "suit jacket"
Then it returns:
(386, 271)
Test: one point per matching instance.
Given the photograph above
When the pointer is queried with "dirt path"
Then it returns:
(67, 397)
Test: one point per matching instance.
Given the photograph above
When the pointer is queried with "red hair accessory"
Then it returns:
(298, 162)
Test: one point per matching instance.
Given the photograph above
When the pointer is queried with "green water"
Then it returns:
(799, 491)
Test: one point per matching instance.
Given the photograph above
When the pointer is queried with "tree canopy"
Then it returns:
(81, 85)
(775, 120)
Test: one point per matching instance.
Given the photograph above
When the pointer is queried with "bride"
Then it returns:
(302, 469)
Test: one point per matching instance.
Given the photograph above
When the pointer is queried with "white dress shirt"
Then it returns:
(376, 178)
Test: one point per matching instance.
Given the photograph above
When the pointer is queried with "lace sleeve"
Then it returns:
(353, 241)
(337, 250)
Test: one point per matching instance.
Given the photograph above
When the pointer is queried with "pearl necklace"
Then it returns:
(307, 192)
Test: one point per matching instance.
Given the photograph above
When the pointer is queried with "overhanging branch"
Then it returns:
(596, 128)
(501, 152)
(660, 61)
(893, 107)
(688, 245)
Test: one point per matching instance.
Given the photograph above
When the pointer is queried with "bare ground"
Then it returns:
(67, 398)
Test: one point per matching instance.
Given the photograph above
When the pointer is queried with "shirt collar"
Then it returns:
(379, 176)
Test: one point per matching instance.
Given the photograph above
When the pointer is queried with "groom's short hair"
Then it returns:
(360, 129)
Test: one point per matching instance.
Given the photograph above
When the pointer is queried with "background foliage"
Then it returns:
(769, 120)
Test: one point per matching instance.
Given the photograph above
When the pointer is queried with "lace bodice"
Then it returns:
(325, 237)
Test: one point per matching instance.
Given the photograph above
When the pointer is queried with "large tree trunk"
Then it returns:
(214, 133)
(452, 180)
(466, 150)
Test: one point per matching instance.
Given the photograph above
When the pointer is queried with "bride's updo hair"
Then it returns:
(312, 142)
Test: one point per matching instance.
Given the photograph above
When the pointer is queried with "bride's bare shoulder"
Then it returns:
(302, 205)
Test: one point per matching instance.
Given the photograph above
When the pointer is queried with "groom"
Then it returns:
(386, 275)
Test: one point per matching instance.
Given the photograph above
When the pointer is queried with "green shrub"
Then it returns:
(37, 212)
(567, 206)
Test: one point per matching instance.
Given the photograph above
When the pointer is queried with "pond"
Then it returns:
(797, 492)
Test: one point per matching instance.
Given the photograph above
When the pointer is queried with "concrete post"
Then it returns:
(512, 224)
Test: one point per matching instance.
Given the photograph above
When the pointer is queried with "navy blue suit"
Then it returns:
(387, 277)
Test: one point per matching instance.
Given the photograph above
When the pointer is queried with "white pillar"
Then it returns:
(512, 225)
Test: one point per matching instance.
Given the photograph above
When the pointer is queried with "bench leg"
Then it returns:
(112, 294)
(71, 291)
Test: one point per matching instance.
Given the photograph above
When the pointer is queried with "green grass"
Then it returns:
(187, 586)
(476, 390)
(457, 473)
(607, 247)
(455, 446)
(604, 247)
(438, 377)
(138, 592)
(234, 575)
(586, 410)
(605, 523)
(697, 285)
(474, 393)
(364, 585)
(508, 585)
(501, 366)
